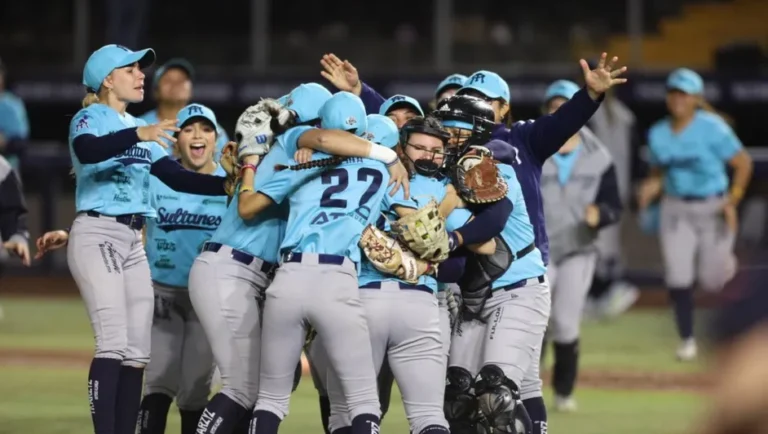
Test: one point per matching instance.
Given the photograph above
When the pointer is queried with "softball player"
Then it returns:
(172, 86)
(113, 155)
(320, 252)
(689, 151)
(581, 196)
(448, 87)
(229, 277)
(494, 356)
(181, 363)
(401, 109)
(404, 319)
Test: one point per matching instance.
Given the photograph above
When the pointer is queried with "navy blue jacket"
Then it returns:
(526, 146)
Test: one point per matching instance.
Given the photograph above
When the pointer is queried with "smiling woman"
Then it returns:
(196, 141)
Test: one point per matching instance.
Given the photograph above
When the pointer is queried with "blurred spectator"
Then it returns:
(614, 125)
(14, 125)
(126, 21)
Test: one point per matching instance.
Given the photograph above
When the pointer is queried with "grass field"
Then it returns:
(49, 398)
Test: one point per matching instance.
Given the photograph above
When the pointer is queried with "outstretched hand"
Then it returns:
(603, 77)
(341, 74)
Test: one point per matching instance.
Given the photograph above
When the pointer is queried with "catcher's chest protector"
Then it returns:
(482, 270)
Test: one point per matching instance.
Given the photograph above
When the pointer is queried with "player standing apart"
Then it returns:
(317, 281)
(581, 196)
(172, 86)
(182, 362)
(689, 151)
(113, 155)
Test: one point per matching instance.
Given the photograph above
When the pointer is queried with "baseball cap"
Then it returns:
(176, 63)
(453, 81)
(400, 101)
(344, 111)
(382, 130)
(685, 80)
(110, 57)
(306, 100)
(488, 83)
(561, 88)
(193, 111)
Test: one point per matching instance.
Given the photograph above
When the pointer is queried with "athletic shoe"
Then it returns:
(565, 404)
(687, 350)
(621, 296)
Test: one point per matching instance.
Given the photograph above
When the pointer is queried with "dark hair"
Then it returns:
(325, 162)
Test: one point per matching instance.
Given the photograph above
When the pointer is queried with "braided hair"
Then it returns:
(325, 162)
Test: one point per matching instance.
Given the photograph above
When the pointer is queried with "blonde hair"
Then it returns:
(706, 106)
(90, 98)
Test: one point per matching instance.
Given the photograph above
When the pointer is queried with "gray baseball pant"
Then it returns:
(109, 266)
(226, 296)
(510, 337)
(696, 244)
(569, 280)
(182, 362)
(404, 327)
(326, 296)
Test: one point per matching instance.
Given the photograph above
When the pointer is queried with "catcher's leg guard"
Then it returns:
(498, 399)
(460, 405)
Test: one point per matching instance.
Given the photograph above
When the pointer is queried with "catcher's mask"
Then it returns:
(423, 166)
(468, 114)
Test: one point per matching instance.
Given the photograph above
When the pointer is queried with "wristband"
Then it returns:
(383, 154)
(247, 166)
(453, 241)
(244, 189)
(737, 192)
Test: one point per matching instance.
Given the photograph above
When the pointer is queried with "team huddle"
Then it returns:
(384, 242)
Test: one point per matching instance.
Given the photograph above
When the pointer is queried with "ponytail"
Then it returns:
(706, 106)
(90, 98)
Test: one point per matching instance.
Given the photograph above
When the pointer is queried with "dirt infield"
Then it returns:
(48, 286)
(63, 285)
(697, 383)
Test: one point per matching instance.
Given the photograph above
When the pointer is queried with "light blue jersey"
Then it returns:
(121, 184)
(329, 212)
(261, 236)
(694, 159)
(423, 189)
(14, 124)
(184, 222)
(222, 138)
(518, 234)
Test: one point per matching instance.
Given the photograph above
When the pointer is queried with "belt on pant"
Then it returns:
(406, 286)
(520, 284)
(240, 256)
(524, 251)
(322, 258)
(689, 198)
(133, 221)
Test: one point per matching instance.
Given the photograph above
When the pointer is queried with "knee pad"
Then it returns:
(460, 406)
(498, 400)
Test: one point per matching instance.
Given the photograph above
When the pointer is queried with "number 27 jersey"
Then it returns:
(328, 213)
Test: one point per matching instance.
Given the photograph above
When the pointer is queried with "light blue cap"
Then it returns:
(177, 63)
(344, 111)
(488, 83)
(455, 81)
(306, 100)
(382, 130)
(685, 80)
(196, 111)
(110, 57)
(400, 101)
(561, 88)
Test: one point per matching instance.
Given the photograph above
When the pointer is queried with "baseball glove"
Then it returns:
(477, 179)
(387, 255)
(253, 130)
(423, 231)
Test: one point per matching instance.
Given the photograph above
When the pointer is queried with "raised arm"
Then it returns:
(344, 76)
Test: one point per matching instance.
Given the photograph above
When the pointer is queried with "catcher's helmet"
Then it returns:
(466, 113)
(430, 126)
